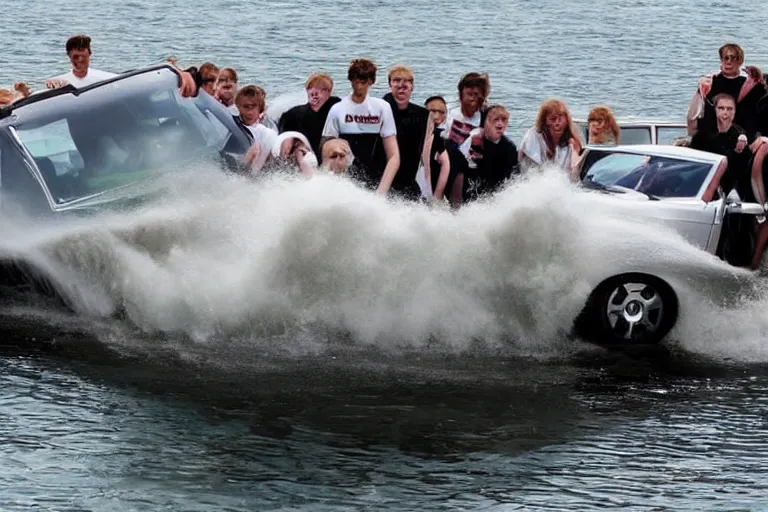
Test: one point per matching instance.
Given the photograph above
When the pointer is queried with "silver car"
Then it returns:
(680, 188)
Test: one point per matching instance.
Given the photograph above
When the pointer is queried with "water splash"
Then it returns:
(306, 261)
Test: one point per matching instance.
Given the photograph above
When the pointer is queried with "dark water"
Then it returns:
(85, 429)
(120, 420)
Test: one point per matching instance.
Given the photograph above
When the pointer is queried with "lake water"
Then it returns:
(256, 409)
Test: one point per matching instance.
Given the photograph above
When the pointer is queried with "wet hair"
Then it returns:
(723, 96)
(555, 106)
(79, 42)
(603, 113)
(362, 69)
(319, 79)
(228, 74)
(255, 92)
(434, 98)
(350, 156)
(501, 109)
(6, 97)
(735, 48)
(399, 68)
(480, 80)
(208, 67)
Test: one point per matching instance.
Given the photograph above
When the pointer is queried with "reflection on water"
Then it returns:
(394, 433)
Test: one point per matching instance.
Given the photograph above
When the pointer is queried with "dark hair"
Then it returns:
(433, 98)
(735, 48)
(362, 69)
(79, 42)
(475, 80)
(723, 96)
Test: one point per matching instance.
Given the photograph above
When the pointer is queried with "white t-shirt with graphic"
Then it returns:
(459, 126)
(91, 77)
(363, 125)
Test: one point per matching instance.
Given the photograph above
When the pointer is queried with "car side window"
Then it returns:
(668, 134)
(636, 135)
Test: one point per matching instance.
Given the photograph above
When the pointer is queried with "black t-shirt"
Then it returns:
(411, 123)
(437, 148)
(724, 143)
(748, 111)
(304, 120)
(498, 163)
(762, 116)
(720, 84)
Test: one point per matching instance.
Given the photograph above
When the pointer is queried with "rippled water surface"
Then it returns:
(278, 418)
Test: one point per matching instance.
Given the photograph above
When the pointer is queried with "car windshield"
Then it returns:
(656, 176)
(115, 134)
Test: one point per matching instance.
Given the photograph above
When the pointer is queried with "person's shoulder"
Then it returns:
(530, 133)
(417, 109)
(98, 73)
(511, 146)
(339, 105)
(294, 111)
(68, 76)
(379, 102)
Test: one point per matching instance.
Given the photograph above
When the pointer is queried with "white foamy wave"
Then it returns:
(221, 258)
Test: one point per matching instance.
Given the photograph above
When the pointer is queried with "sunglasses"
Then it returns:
(730, 57)
(436, 110)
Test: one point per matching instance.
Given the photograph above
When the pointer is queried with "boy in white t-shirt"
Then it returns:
(82, 74)
(473, 91)
(368, 125)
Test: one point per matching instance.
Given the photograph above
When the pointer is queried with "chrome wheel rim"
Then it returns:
(634, 309)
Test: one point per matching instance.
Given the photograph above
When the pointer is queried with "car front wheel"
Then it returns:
(630, 309)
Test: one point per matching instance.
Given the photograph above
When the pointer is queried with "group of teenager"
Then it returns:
(459, 154)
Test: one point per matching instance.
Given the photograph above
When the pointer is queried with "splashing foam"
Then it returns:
(305, 261)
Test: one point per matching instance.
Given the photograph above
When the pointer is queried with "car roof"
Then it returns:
(670, 151)
(642, 122)
(37, 97)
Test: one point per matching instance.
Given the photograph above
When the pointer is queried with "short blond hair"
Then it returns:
(399, 68)
(319, 79)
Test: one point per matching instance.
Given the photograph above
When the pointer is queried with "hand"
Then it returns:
(172, 60)
(705, 85)
(22, 88)
(188, 88)
(286, 148)
(741, 144)
(759, 142)
(252, 154)
(55, 83)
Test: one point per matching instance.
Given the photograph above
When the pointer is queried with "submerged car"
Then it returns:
(680, 188)
(71, 151)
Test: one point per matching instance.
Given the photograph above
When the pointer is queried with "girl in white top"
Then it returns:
(554, 139)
